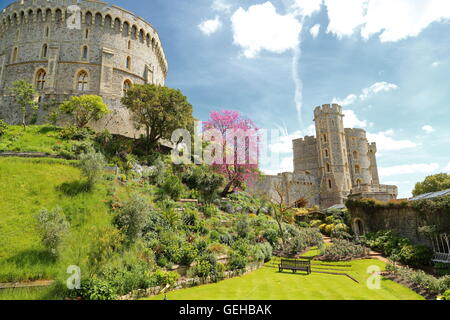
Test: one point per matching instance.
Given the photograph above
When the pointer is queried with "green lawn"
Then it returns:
(33, 139)
(268, 284)
(26, 187)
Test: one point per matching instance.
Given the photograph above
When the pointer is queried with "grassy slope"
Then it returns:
(27, 186)
(33, 139)
(268, 284)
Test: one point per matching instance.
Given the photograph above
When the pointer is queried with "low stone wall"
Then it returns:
(404, 221)
(187, 283)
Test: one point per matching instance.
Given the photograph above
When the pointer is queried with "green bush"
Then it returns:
(97, 289)
(3, 127)
(133, 217)
(210, 210)
(204, 180)
(52, 227)
(171, 188)
(343, 250)
(92, 165)
(242, 226)
(165, 278)
(415, 256)
(237, 261)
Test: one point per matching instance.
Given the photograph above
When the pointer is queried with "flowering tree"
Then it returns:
(233, 148)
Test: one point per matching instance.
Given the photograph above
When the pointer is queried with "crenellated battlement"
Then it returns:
(92, 12)
(356, 132)
(328, 109)
(308, 140)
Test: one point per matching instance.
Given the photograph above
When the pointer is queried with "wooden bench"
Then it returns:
(295, 265)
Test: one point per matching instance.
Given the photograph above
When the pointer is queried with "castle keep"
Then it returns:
(336, 164)
(69, 47)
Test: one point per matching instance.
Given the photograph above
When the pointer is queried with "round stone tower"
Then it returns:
(335, 183)
(69, 47)
(360, 163)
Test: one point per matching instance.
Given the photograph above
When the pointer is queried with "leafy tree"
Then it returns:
(133, 218)
(238, 144)
(91, 165)
(52, 226)
(24, 95)
(159, 110)
(84, 109)
(435, 183)
(3, 127)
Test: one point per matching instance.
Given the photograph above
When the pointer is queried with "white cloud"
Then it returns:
(306, 8)
(221, 6)
(435, 64)
(284, 143)
(366, 93)
(349, 100)
(315, 30)
(390, 20)
(345, 16)
(262, 28)
(377, 88)
(447, 168)
(386, 141)
(428, 129)
(208, 27)
(409, 169)
(352, 121)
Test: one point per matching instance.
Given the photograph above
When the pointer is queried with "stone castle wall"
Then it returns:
(405, 221)
(66, 38)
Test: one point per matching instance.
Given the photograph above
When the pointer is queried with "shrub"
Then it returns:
(271, 235)
(242, 227)
(132, 217)
(210, 210)
(237, 261)
(52, 227)
(171, 188)
(316, 223)
(165, 278)
(205, 181)
(3, 127)
(91, 165)
(97, 289)
(343, 250)
(415, 256)
(266, 250)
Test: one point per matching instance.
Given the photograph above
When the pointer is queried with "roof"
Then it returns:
(337, 206)
(432, 195)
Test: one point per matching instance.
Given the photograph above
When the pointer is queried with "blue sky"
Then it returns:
(387, 62)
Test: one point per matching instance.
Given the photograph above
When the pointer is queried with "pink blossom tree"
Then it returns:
(234, 143)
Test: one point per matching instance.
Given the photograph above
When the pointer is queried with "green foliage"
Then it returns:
(3, 127)
(132, 218)
(160, 110)
(343, 250)
(24, 95)
(237, 261)
(445, 296)
(434, 183)
(171, 188)
(423, 280)
(398, 248)
(165, 278)
(204, 180)
(75, 133)
(304, 238)
(242, 226)
(85, 109)
(52, 226)
(97, 289)
(265, 251)
(433, 206)
(210, 210)
(92, 165)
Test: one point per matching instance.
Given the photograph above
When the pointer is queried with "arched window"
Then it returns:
(357, 169)
(83, 80)
(358, 182)
(128, 63)
(40, 79)
(355, 155)
(86, 35)
(85, 53)
(325, 138)
(126, 86)
(44, 51)
(14, 55)
(330, 184)
(328, 167)
(326, 153)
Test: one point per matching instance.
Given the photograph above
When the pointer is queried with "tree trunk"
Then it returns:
(227, 191)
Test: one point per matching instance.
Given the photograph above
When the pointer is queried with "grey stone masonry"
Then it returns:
(69, 47)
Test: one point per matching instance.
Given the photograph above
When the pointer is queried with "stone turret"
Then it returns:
(335, 182)
(358, 149)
